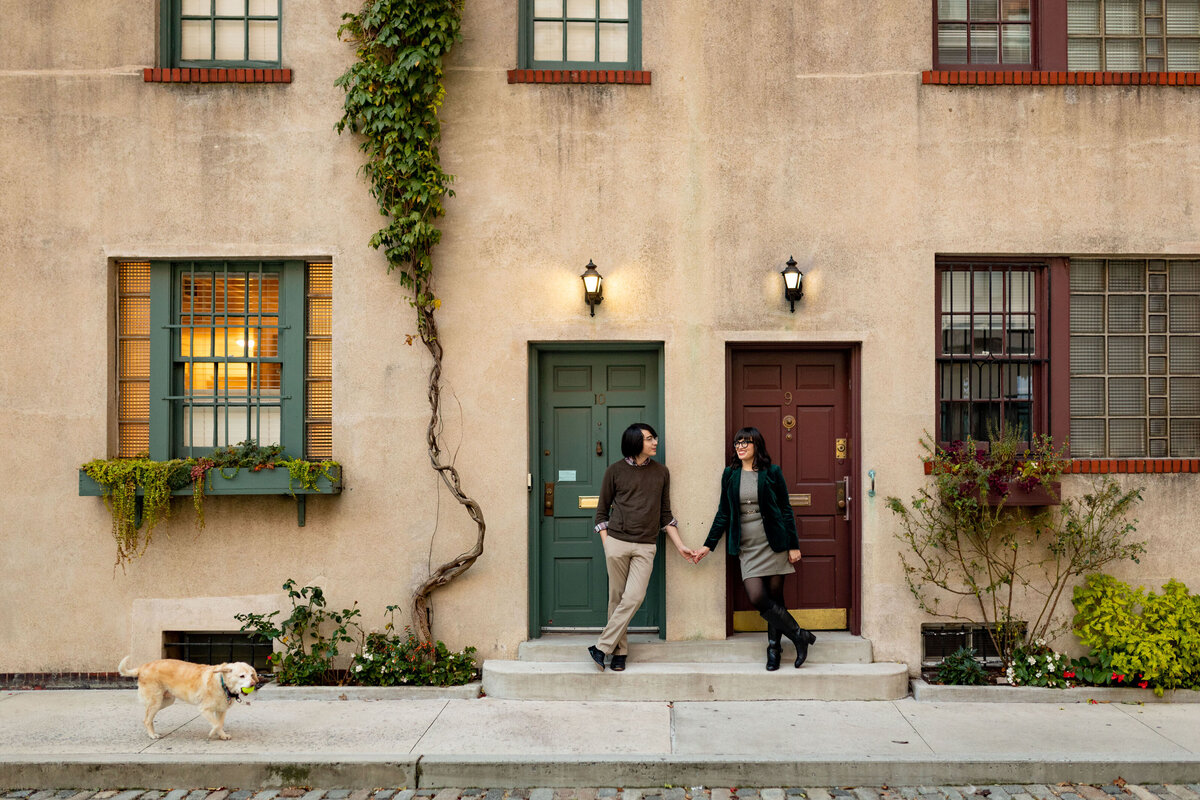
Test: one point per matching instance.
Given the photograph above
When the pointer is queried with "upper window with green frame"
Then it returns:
(221, 33)
(216, 352)
(580, 34)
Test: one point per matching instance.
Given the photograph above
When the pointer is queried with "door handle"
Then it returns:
(843, 497)
(548, 499)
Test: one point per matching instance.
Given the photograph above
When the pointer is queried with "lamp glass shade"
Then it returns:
(591, 281)
(791, 277)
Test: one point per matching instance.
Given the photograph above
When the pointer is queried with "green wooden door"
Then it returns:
(585, 401)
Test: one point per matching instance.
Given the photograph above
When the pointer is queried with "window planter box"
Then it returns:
(245, 482)
(1037, 496)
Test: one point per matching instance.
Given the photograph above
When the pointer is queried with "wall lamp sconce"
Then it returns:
(593, 291)
(793, 283)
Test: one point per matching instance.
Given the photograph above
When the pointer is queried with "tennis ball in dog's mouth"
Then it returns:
(247, 689)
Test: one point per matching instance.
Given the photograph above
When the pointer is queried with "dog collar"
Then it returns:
(228, 694)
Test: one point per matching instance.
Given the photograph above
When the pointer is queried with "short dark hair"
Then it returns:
(632, 441)
(762, 459)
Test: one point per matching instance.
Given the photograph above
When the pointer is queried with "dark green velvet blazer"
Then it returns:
(778, 520)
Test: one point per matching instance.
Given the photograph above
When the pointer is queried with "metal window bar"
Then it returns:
(991, 383)
(939, 640)
(217, 648)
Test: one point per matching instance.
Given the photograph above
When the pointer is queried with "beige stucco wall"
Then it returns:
(784, 129)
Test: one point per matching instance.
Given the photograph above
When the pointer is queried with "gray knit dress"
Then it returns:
(757, 557)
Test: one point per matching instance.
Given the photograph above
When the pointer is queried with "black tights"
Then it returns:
(763, 590)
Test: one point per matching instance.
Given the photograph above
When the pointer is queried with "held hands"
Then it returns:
(697, 555)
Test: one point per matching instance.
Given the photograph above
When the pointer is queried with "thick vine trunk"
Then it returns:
(447, 572)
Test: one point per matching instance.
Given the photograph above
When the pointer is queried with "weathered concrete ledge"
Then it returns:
(935, 693)
(273, 691)
(436, 772)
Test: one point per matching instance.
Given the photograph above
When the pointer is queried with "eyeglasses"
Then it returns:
(743, 442)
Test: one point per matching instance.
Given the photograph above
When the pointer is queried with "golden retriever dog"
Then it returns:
(212, 688)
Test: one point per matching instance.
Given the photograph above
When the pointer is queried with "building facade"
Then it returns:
(995, 206)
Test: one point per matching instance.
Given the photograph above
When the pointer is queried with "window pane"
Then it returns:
(1087, 437)
(1185, 314)
(1185, 354)
(1183, 17)
(231, 8)
(547, 41)
(547, 8)
(1185, 396)
(1185, 438)
(1087, 275)
(1126, 355)
(1123, 55)
(264, 40)
(985, 44)
(1122, 16)
(1083, 54)
(1126, 276)
(1127, 397)
(197, 8)
(264, 8)
(1185, 276)
(1183, 55)
(1087, 314)
(196, 43)
(1087, 398)
(952, 10)
(581, 41)
(1087, 355)
(1126, 314)
(1083, 16)
(1014, 10)
(231, 40)
(614, 41)
(614, 9)
(1015, 39)
(985, 9)
(952, 44)
(1126, 438)
(581, 9)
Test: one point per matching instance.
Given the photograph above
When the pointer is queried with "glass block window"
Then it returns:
(581, 34)
(206, 33)
(1133, 35)
(133, 358)
(984, 32)
(989, 358)
(1135, 358)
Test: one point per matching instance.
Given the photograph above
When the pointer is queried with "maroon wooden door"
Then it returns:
(800, 401)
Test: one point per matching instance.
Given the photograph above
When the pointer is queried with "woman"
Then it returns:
(757, 515)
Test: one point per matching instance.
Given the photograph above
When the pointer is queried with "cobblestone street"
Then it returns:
(1064, 791)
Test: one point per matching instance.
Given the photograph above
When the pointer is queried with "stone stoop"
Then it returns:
(557, 667)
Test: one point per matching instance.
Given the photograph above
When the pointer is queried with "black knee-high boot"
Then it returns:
(774, 648)
(786, 624)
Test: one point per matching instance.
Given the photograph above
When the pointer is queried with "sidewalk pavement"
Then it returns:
(293, 737)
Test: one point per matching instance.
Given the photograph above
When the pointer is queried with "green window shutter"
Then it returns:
(160, 360)
(291, 348)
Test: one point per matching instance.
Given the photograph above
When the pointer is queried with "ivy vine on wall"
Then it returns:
(393, 92)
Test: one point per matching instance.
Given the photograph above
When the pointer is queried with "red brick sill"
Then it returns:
(1083, 466)
(214, 75)
(637, 77)
(959, 77)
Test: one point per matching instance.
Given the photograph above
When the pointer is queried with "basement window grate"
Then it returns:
(217, 648)
(939, 640)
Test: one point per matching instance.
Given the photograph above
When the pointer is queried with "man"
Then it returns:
(634, 505)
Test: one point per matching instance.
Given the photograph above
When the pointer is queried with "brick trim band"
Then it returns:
(214, 75)
(628, 76)
(1006, 78)
(1085, 466)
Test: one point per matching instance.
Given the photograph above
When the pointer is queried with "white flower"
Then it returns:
(358, 668)
(1031, 660)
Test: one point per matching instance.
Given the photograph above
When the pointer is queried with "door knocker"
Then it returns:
(789, 422)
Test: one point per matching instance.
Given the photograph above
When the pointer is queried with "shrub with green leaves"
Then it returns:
(389, 659)
(1151, 640)
(309, 645)
(1036, 664)
(961, 668)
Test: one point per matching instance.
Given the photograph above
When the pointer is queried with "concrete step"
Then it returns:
(832, 647)
(655, 681)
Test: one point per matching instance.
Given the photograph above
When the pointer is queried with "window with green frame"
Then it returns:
(580, 34)
(221, 33)
(216, 352)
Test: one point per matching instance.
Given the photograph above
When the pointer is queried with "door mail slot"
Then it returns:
(589, 500)
(800, 500)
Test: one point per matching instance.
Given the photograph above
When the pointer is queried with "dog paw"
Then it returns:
(224, 737)
(156, 736)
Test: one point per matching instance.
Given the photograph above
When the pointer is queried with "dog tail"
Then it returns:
(128, 673)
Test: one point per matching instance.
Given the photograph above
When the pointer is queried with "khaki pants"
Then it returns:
(629, 567)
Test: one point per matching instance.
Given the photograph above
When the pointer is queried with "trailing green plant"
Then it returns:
(966, 545)
(961, 668)
(122, 478)
(1151, 640)
(309, 637)
(390, 659)
(393, 91)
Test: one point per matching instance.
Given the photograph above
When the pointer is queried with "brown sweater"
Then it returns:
(635, 501)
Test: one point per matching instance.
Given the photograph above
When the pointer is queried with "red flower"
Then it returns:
(1144, 684)
(1068, 674)
(1118, 678)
